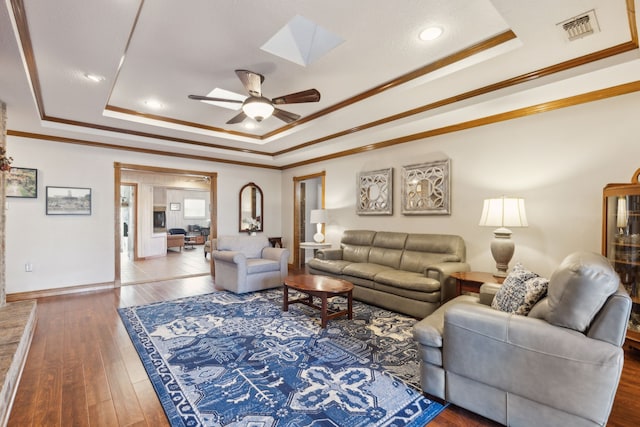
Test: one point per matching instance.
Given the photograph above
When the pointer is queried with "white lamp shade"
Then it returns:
(257, 108)
(504, 212)
(318, 216)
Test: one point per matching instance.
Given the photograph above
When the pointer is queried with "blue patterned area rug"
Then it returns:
(224, 359)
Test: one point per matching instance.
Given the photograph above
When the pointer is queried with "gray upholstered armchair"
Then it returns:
(557, 366)
(248, 263)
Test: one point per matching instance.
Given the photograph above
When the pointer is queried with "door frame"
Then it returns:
(296, 210)
(117, 177)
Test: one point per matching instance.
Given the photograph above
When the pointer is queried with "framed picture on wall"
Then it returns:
(426, 189)
(174, 206)
(375, 192)
(68, 201)
(22, 182)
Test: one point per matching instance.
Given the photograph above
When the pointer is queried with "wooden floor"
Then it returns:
(177, 263)
(83, 370)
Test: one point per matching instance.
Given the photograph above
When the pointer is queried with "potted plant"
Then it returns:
(5, 162)
(253, 226)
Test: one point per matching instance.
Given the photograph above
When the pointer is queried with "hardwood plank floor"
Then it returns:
(82, 369)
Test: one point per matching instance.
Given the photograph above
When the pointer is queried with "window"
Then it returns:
(195, 209)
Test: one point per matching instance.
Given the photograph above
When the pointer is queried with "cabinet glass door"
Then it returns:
(621, 244)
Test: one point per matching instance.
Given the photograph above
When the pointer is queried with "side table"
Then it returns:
(470, 281)
(311, 245)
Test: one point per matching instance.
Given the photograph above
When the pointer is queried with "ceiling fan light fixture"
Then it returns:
(258, 108)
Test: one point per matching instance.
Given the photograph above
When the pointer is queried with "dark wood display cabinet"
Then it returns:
(621, 243)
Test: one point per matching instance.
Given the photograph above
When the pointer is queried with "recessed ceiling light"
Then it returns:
(94, 77)
(430, 33)
(154, 104)
(249, 125)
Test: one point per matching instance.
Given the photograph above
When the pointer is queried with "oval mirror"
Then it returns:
(251, 208)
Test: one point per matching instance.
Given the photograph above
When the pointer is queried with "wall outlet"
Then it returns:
(28, 267)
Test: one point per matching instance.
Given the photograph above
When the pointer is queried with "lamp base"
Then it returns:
(502, 248)
(318, 237)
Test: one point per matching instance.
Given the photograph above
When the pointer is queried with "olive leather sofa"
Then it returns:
(557, 366)
(403, 272)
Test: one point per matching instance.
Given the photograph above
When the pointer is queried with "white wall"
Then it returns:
(558, 161)
(79, 250)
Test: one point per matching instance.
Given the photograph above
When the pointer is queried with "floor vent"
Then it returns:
(580, 26)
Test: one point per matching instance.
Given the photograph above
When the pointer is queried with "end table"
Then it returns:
(470, 281)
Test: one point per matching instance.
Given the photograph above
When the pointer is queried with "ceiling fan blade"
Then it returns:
(238, 118)
(285, 116)
(251, 81)
(208, 98)
(310, 95)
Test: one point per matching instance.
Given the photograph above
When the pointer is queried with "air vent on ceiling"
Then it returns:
(580, 26)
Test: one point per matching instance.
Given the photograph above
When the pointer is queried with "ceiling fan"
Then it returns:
(257, 106)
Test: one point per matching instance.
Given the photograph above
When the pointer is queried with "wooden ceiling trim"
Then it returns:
(496, 118)
(95, 144)
(179, 122)
(153, 135)
(543, 72)
(429, 68)
(20, 17)
(631, 13)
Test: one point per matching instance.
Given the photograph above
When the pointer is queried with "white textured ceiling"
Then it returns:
(165, 50)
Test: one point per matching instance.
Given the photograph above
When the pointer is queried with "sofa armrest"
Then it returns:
(555, 366)
(442, 273)
(329, 254)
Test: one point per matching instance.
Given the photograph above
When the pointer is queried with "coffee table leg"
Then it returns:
(285, 301)
(350, 305)
(324, 311)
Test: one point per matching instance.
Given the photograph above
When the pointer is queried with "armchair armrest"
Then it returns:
(275, 254)
(229, 256)
(555, 366)
(442, 273)
(329, 254)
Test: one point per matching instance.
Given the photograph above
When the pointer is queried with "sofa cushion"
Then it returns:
(387, 248)
(364, 270)
(444, 244)
(418, 262)
(521, 290)
(408, 280)
(578, 289)
(250, 246)
(356, 244)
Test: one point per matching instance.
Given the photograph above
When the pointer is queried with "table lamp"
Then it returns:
(503, 212)
(318, 217)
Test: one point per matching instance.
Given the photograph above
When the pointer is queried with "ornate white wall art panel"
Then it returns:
(426, 189)
(375, 192)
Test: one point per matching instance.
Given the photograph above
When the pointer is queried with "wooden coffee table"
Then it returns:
(322, 287)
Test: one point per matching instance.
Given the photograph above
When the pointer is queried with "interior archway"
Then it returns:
(121, 169)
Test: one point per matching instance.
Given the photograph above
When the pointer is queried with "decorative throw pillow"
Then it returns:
(521, 290)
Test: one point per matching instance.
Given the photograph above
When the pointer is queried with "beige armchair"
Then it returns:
(248, 263)
(557, 366)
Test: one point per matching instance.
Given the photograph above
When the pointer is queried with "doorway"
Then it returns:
(308, 194)
(138, 183)
(128, 220)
